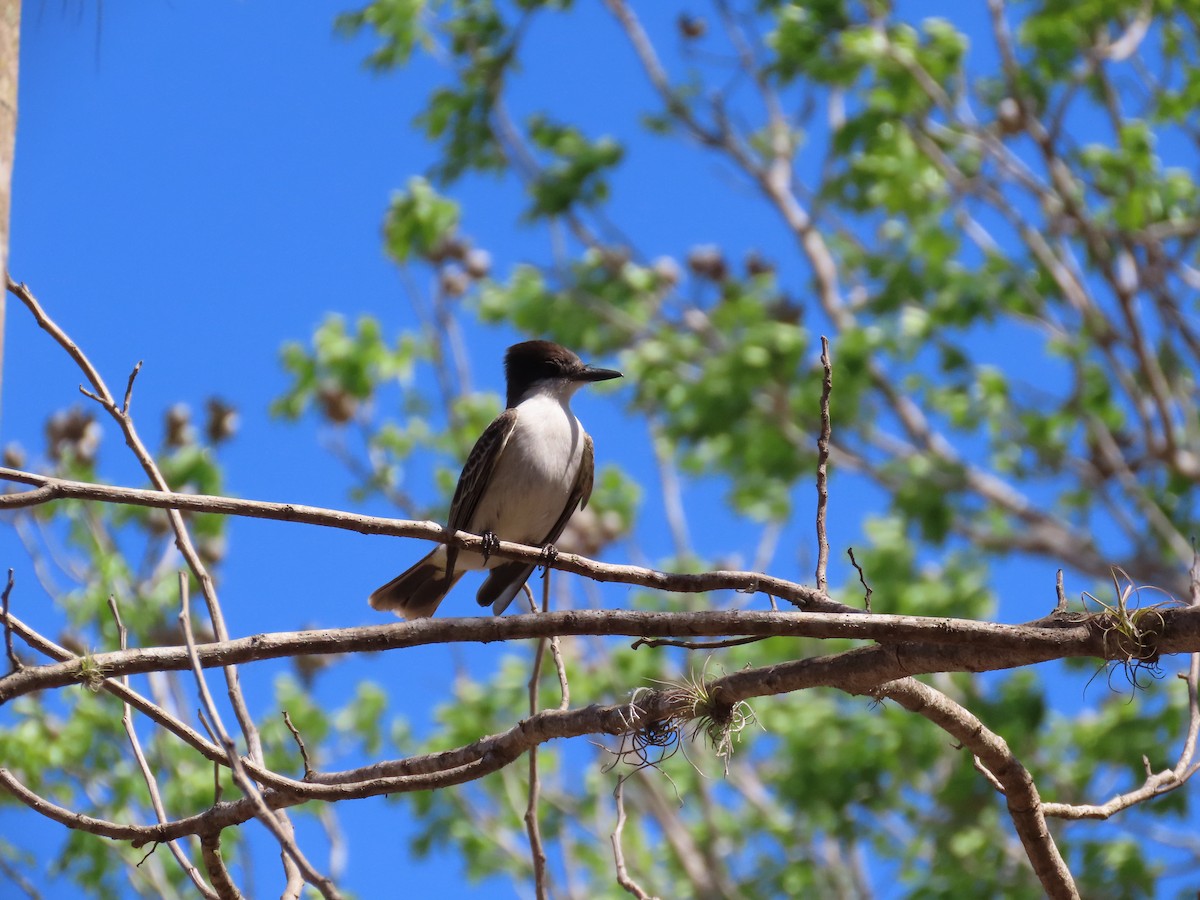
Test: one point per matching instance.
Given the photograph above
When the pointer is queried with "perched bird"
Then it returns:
(525, 477)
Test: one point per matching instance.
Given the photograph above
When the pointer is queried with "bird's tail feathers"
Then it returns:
(502, 585)
(416, 592)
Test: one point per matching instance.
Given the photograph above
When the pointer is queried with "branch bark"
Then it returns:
(49, 489)
(910, 644)
(1024, 804)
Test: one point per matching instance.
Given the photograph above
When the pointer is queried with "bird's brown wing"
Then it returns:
(476, 475)
(581, 491)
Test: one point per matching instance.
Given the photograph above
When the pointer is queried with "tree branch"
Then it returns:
(148, 776)
(210, 846)
(926, 644)
(1024, 804)
(295, 864)
(822, 466)
(56, 489)
(183, 539)
(623, 877)
(13, 661)
(1156, 782)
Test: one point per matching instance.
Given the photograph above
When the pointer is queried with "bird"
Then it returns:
(524, 478)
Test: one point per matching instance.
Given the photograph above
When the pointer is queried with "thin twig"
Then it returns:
(537, 851)
(1061, 592)
(338, 854)
(15, 664)
(822, 467)
(672, 493)
(1156, 782)
(1193, 576)
(103, 396)
(695, 645)
(987, 774)
(308, 769)
(684, 843)
(560, 666)
(156, 802)
(129, 388)
(279, 826)
(623, 878)
(71, 819)
(17, 878)
(862, 579)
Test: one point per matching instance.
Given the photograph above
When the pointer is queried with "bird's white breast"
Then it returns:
(535, 473)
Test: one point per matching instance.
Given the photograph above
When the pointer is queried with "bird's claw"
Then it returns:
(491, 544)
(549, 555)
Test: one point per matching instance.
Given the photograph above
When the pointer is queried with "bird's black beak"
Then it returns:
(591, 373)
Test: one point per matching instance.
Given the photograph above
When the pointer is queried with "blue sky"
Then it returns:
(198, 182)
(195, 184)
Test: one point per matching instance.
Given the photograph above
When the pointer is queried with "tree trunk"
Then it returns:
(10, 44)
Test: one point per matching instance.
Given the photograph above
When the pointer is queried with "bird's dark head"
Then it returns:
(528, 363)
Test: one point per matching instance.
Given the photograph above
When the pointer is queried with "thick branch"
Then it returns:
(922, 644)
(1024, 804)
(859, 671)
(214, 864)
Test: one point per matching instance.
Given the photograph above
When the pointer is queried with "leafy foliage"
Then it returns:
(975, 246)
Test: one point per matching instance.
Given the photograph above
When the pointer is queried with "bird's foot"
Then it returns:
(491, 544)
(549, 555)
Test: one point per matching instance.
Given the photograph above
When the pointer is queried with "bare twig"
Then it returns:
(537, 852)
(18, 879)
(129, 388)
(672, 493)
(822, 464)
(308, 769)
(338, 852)
(1156, 782)
(75, 820)
(14, 663)
(987, 774)
(275, 822)
(623, 877)
(183, 541)
(560, 666)
(156, 802)
(705, 880)
(862, 579)
(694, 645)
(1193, 576)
